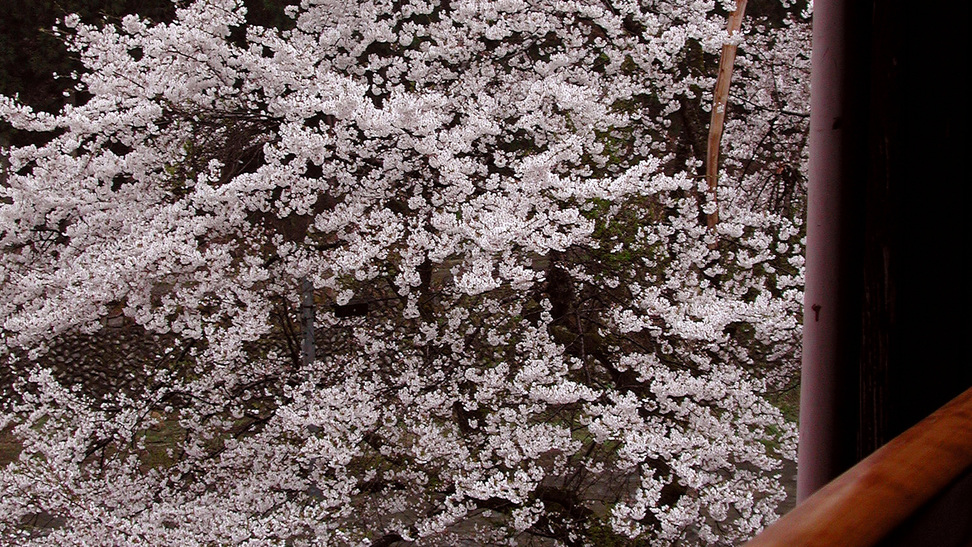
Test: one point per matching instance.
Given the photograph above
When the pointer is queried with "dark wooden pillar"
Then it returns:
(918, 184)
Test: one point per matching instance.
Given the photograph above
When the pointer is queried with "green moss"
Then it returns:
(10, 448)
(600, 533)
(164, 435)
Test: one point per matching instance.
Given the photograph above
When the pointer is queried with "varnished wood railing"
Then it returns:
(867, 504)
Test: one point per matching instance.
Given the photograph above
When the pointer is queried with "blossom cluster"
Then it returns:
(522, 327)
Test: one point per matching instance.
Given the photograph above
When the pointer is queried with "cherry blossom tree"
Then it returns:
(524, 330)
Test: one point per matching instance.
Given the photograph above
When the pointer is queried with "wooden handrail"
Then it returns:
(869, 501)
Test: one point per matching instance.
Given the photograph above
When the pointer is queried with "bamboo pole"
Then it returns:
(719, 100)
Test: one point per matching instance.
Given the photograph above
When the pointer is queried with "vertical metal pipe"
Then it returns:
(828, 410)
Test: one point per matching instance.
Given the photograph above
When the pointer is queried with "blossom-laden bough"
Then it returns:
(524, 331)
